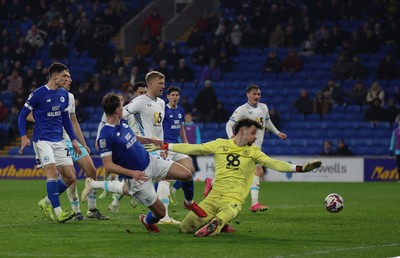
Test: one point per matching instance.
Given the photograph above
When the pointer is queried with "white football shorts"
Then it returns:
(52, 152)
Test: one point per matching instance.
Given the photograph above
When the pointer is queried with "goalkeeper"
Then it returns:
(235, 161)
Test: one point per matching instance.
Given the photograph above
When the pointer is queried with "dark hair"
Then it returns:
(57, 68)
(245, 122)
(110, 102)
(137, 85)
(172, 89)
(252, 87)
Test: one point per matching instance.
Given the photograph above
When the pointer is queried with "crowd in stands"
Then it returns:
(287, 33)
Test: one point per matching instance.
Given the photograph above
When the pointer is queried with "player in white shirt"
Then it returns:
(257, 111)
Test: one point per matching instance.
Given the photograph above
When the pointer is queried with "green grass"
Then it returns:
(296, 225)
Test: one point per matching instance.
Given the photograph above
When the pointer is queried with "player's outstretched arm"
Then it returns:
(309, 166)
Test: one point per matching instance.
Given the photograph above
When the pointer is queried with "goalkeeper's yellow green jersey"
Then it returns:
(234, 165)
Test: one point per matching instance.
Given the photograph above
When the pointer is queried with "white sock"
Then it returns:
(57, 211)
(73, 198)
(92, 199)
(116, 199)
(109, 186)
(162, 193)
(255, 189)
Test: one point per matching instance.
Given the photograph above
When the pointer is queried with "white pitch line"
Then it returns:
(339, 250)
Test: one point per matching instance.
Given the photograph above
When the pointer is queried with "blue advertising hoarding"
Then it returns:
(380, 169)
(24, 167)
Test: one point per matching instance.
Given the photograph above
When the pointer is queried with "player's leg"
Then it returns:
(191, 223)
(228, 210)
(49, 154)
(87, 165)
(255, 190)
(188, 186)
(106, 177)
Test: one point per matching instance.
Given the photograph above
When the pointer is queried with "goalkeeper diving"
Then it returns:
(235, 160)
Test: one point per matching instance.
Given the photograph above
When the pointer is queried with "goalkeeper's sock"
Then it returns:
(73, 198)
(255, 189)
(162, 193)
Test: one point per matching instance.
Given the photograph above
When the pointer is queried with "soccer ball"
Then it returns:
(334, 202)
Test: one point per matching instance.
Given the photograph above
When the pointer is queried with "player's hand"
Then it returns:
(77, 149)
(311, 165)
(282, 136)
(24, 142)
(151, 147)
(139, 176)
(87, 149)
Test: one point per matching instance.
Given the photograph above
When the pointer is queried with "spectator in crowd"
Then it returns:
(375, 91)
(154, 24)
(224, 62)
(327, 149)
(325, 45)
(272, 64)
(342, 149)
(220, 114)
(35, 37)
(309, 46)
(375, 112)
(3, 112)
(173, 57)
(205, 103)
(58, 50)
(118, 79)
(291, 37)
(160, 53)
(320, 104)
(118, 61)
(95, 96)
(12, 121)
(370, 43)
(140, 63)
(14, 81)
(332, 93)
(193, 136)
(357, 70)
(133, 76)
(292, 62)
(277, 37)
(196, 38)
(182, 73)
(303, 103)
(211, 72)
(80, 112)
(163, 68)
(236, 35)
(388, 69)
(200, 56)
(391, 111)
(275, 118)
(357, 95)
(340, 68)
(185, 104)
(143, 47)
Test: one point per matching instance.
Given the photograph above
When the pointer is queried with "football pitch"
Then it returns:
(296, 225)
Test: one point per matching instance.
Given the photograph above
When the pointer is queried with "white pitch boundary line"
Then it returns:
(339, 250)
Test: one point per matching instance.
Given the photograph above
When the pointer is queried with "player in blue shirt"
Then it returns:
(49, 106)
(173, 125)
(122, 153)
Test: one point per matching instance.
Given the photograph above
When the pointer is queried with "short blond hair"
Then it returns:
(150, 76)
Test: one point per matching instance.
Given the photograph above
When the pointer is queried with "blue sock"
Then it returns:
(151, 219)
(177, 184)
(188, 190)
(156, 185)
(61, 185)
(52, 192)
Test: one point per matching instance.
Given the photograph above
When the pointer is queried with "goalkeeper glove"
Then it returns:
(151, 147)
(309, 166)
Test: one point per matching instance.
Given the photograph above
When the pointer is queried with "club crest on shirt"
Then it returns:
(125, 125)
(102, 143)
(46, 158)
(179, 116)
(246, 152)
(62, 99)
